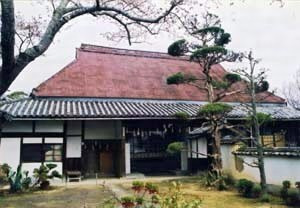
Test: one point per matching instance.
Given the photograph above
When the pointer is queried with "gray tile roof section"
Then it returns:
(96, 108)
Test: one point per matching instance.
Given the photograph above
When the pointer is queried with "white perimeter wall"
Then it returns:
(10, 151)
(277, 168)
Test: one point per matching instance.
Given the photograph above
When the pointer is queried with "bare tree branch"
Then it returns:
(63, 13)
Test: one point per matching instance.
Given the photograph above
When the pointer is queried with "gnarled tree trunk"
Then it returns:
(214, 151)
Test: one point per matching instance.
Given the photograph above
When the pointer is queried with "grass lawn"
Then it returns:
(93, 196)
(216, 199)
(90, 196)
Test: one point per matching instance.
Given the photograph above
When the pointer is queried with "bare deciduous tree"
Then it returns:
(138, 16)
(256, 84)
(291, 91)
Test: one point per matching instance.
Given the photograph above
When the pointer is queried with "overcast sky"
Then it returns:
(271, 31)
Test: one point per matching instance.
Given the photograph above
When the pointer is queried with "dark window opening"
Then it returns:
(41, 152)
(32, 153)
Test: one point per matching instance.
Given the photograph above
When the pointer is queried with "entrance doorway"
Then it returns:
(98, 157)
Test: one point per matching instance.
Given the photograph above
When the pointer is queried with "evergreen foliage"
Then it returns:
(232, 78)
(178, 48)
(214, 109)
(175, 148)
(180, 78)
(44, 173)
(182, 116)
(245, 187)
(205, 52)
(261, 86)
(262, 118)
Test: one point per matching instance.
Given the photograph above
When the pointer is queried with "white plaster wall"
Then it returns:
(10, 152)
(73, 147)
(31, 166)
(127, 158)
(49, 126)
(53, 140)
(103, 130)
(227, 157)
(277, 168)
(32, 140)
(17, 126)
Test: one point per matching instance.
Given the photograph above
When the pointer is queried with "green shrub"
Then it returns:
(256, 191)
(284, 193)
(175, 148)
(208, 178)
(293, 197)
(274, 190)
(173, 198)
(44, 173)
(286, 184)
(139, 200)
(18, 180)
(151, 188)
(265, 198)
(297, 184)
(229, 179)
(128, 201)
(137, 186)
(244, 187)
(4, 171)
(221, 185)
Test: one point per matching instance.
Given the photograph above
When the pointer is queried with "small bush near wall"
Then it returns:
(291, 196)
(18, 180)
(245, 187)
(265, 198)
(256, 191)
(221, 183)
(44, 173)
(4, 170)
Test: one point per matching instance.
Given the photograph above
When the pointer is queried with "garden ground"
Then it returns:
(83, 196)
(89, 195)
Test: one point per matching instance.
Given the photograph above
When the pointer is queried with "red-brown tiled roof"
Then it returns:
(119, 73)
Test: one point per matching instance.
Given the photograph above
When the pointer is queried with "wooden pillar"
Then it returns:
(64, 152)
(120, 158)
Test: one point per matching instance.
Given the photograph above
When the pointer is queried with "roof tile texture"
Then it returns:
(119, 73)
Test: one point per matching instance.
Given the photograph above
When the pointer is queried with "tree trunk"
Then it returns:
(259, 146)
(7, 43)
(214, 142)
(214, 152)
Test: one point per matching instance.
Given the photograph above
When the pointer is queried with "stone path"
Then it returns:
(112, 183)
